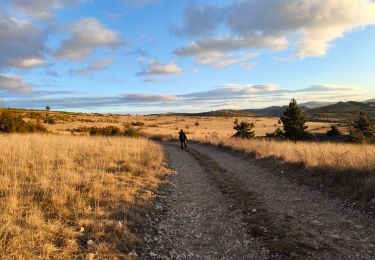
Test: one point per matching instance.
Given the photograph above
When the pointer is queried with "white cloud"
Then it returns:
(229, 44)
(95, 66)
(142, 97)
(330, 88)
(154, 69)
(218, 60)
(10, 83)
(40, 9)
(314, 23)
(21, 43)
(88, 34)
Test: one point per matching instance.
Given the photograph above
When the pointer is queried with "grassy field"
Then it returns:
(65, 197)
(69, 195)
(196, 127)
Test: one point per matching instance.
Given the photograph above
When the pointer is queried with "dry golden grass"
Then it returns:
(344, 169)
(64, 197)
(164, 125)
(333, 155)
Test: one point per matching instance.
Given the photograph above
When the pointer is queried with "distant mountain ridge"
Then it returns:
(341, 111)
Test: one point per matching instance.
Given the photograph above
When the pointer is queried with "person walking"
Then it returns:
(183, 139)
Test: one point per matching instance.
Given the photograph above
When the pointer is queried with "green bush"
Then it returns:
(244, 129)
(363, 129)
(11, 123)
(277, 133)
(334, 131)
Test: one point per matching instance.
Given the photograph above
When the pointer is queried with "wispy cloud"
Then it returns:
(93, 67)
(154, 69)
(226, 96)
(10, 83)
(218, 60)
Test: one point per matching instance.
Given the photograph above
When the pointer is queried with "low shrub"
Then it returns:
(80, 130)
(11, 123)
(114, 131)
(49, 120)
(131, 132)
(138, 123)
(334, 131)
(106, 131)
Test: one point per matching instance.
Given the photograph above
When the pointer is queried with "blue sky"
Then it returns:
(146, 56)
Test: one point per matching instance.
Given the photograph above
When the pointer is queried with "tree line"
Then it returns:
(294, 127)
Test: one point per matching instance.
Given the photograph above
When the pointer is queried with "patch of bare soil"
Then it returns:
(222, 206)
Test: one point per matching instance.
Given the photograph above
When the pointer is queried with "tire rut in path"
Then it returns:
(196, 220)
(305, 215)
(276, 237)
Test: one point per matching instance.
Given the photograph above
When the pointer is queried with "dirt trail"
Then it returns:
(222, 206)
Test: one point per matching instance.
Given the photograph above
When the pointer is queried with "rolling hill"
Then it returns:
(315, 111)
(342, 111)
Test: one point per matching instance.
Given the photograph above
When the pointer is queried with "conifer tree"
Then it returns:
(334, 131)
(294, 122)
(363, 128)
(244, 129)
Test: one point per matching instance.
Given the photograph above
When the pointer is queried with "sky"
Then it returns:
(153, 56)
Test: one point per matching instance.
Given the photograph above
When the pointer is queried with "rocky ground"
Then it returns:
(219, 205)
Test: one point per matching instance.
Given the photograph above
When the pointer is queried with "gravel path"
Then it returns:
(196, 221)
(223, 206)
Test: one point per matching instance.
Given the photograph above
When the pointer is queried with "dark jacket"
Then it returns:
(182, 137)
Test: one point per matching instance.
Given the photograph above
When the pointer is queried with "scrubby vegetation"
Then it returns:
(68, 197)
(138, 123)
(334, 131)
(114, 131)
(244, 129)
(106, 131)
(363, 129)
(12, 123)
(131, 132)
(49, 120)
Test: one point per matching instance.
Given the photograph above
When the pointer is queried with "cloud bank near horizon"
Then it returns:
(236, 96)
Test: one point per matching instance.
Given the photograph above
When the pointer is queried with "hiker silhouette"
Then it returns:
(183, 139)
